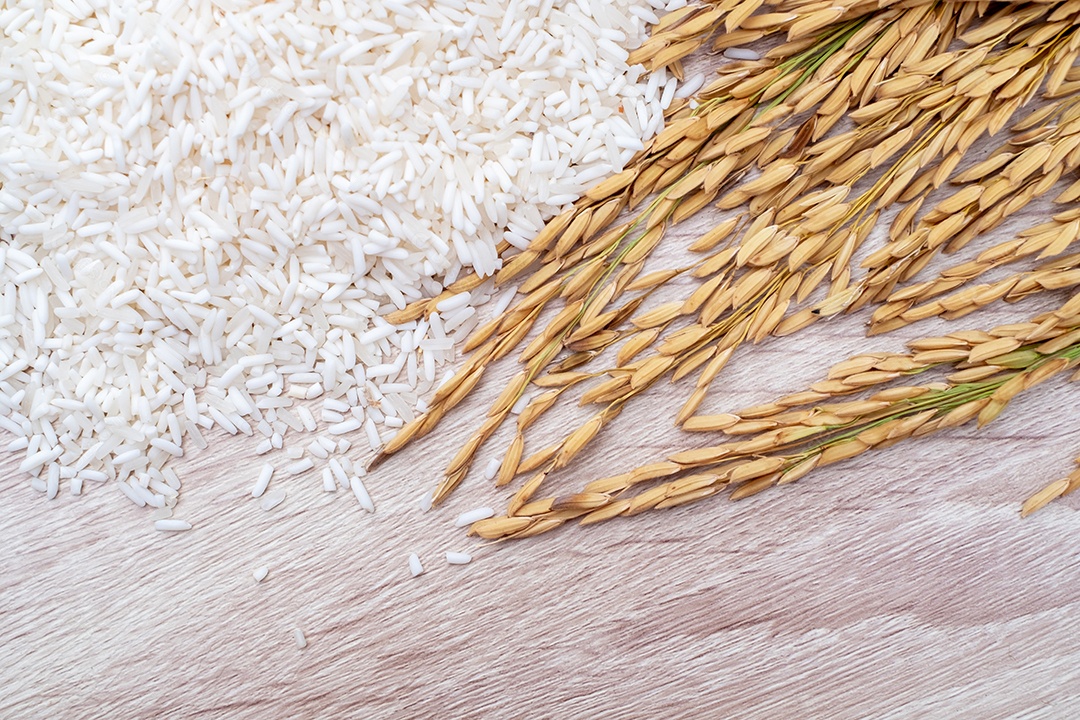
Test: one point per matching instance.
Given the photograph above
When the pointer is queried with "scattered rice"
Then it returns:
(246, 190)
(272, 499)
(171, 525)
(361, 494)
(306, 418)
(263, 481)
(458, 558)
(690, 86)
(260, 573)
(468, 518)
(337, 468)
(425, 501)
(492, 468)
(414, 565)
(300, 466)
(298, 635)
(315, 449)
(738, 53)
(520, 403)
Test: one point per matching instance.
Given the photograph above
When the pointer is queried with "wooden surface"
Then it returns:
(898, 585)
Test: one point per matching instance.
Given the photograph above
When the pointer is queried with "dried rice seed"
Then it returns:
(577, 441)
(610, 485)
(494, 528)
(616, 508)
(755, 486)
(525, 493)
(710, 423)
(1044, 497)
(538, 458)
(508, 468)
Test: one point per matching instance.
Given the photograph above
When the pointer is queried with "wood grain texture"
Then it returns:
(901, 584)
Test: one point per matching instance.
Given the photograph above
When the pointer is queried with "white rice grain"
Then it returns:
(738, 53)
(468, 518)
(265, 474)
(171, 525)
(361, 494)
(300, 466)
(272, 499)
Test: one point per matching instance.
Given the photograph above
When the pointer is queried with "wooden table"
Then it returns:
(898, 585)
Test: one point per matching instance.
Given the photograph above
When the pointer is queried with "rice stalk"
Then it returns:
(918, 106)
(756, 303)
(780, 443)
(1028, 166)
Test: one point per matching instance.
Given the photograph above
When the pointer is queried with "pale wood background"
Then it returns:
(898, 585)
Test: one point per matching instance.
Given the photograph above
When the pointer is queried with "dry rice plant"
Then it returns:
(781, 442)
(1028, 166)
(857, 109)
(1056, 489)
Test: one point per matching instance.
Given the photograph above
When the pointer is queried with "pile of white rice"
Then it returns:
(205, 208)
